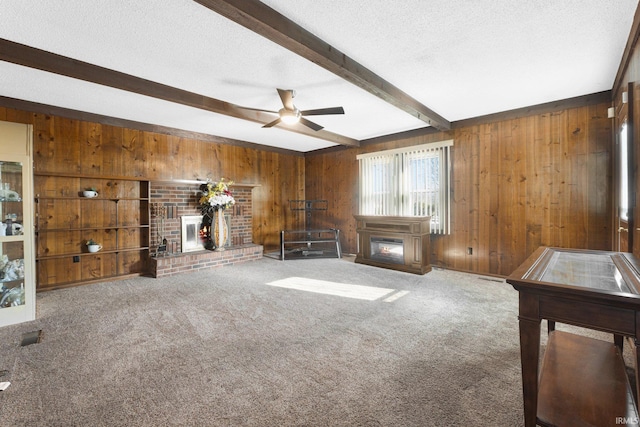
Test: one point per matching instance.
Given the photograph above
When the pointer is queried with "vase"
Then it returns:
(220, 230)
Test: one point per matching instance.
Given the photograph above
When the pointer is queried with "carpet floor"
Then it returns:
(323, 342)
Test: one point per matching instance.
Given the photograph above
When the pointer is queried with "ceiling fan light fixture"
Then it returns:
(289, 117)
(290, 114)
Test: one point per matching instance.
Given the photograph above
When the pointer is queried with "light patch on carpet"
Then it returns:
(395, 296)
(346, 290)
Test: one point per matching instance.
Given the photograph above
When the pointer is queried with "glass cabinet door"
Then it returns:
(17, 279)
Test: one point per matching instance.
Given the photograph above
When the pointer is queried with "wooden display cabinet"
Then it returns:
(117, 218)
(17, 272)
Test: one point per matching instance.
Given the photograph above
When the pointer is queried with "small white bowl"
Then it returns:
(90, 194)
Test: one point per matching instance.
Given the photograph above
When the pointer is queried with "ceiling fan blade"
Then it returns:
(310, 124)
(258, 109)
(323, 111)
(273, 123)
(286, 95)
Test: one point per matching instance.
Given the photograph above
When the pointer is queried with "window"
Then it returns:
(412, 181)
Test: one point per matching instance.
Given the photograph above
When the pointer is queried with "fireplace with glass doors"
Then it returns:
(400, 243)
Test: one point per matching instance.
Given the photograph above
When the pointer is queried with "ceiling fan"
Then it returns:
(290, 113)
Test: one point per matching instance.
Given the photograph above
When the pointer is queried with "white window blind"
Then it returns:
(411, 181)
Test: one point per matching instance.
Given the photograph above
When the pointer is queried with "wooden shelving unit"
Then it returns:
(118, 218)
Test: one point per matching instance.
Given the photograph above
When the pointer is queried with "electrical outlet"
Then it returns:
(76, 258)
(469, 251)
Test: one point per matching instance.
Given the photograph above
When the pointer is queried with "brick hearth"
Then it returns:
(202, 260)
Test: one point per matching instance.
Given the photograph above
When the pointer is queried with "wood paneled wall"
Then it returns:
(543, 179)
(64, 145)
(517, 184)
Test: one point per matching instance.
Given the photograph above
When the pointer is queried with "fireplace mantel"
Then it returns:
(199, 182)
(396, 242)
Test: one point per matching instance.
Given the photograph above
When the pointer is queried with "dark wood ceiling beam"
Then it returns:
(269, 23)
(46, 61)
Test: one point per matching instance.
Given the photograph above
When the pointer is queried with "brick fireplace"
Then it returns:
(172, 200)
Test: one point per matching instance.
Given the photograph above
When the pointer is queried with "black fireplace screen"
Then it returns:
(387, 250)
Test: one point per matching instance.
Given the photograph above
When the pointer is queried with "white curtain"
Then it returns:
(413, 181)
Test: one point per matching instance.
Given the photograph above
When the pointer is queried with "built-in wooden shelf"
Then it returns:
(105, 199)
(82, 254)
(118, 218)
(88, 176)
(109, 227)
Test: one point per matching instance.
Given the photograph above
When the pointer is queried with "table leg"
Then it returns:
(551, 326)
(636, 341)
(618, 340)
(529, 355)
(281, 245)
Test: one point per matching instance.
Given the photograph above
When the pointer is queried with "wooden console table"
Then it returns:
(582, 381)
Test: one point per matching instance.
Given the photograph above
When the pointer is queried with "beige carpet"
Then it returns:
(322, 342)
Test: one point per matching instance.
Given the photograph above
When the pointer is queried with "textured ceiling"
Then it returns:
(462, 59)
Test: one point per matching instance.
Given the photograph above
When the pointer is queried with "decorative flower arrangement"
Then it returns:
(215, 196)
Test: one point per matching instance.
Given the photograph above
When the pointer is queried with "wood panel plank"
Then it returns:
(535, 172)
(66, 134)
(131, 238)
(52, 272)
(132, 262)
(507, 196)
(577, 185)
(485, 217)
(462, 199)
(98, 266)
(56, 243)
(129, 212)
(495, 231)
(53, 215)
(97, 213)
